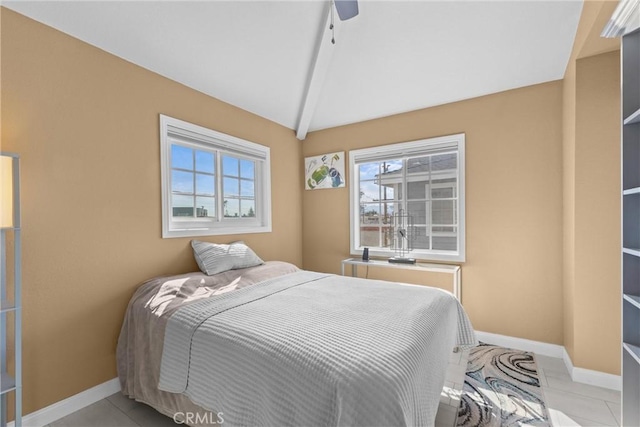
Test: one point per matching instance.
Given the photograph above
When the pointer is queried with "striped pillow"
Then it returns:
(213, 258)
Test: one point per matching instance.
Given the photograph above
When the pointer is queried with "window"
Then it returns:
(423, 179)
(212, 183)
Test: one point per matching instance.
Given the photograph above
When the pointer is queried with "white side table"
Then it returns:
(454, 270)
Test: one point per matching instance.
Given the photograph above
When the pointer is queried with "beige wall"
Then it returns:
(596, 312)
(568, 207)
(86, 126)
(591, 185)
(512, 280)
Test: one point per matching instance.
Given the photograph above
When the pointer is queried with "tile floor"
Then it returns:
(570, 404)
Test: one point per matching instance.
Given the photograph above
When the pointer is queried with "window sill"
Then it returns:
(419, 256)
(197, 232)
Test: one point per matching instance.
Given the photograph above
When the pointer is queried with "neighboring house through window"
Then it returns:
(212, 183)
(424, 179)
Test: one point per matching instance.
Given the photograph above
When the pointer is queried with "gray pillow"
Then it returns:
(213, 258)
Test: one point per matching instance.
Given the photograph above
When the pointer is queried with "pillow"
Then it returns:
(213, 258)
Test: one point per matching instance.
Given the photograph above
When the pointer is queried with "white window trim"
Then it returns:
(227, 144)
(403, 149)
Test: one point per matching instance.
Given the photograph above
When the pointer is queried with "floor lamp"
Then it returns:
(10, 227)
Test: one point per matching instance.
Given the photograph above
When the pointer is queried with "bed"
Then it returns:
(274, 345)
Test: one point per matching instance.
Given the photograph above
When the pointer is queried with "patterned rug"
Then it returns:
(501, 388)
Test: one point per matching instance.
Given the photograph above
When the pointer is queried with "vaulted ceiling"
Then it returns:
(394, 57)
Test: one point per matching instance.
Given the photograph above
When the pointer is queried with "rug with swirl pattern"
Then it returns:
(501, 388)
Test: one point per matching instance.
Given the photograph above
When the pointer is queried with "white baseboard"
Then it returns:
(579, 375)
(587, 376)
(543, 348)
(69, 405)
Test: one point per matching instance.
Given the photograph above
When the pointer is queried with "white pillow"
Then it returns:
(213, 258)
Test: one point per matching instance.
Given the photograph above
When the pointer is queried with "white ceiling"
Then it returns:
(394, 57)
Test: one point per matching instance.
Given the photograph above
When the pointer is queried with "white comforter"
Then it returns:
(310, 349)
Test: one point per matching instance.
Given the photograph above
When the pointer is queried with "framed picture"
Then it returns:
(324, 171)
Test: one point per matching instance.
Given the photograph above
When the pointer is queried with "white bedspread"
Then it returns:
(310, 349)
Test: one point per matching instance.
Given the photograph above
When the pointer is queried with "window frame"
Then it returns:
(175, 131)
(403, 150)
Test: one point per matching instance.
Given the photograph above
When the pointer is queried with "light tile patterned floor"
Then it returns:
(570, 404)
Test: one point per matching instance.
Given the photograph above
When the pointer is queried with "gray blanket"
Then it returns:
(309, 349)
(141, 338)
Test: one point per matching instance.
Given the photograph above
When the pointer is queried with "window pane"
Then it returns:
(391, 167)
(205, 184)
(421, 239)
(417, 190)
(230, 166)
(205, 207)
(369, 236)
(418, 211)
(445, 228)
(181, 182)
(443, 193)
(388, 192)
(369, 191)
(369, 213)
(444, 162)
(204, 162)
(248, 208)
(443, 212)
(231, 186)
(181, 157)
(247, 169)
(386, 215)
(182, 205)
(391, 175)
(418, 165)
(385, 236)
(369, 171)
(246, 188)
(231, 208)
(445, 243)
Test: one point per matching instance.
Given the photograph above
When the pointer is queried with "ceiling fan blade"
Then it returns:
(347, 9)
